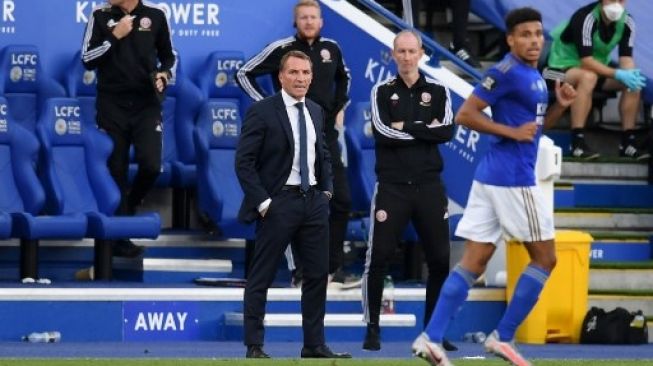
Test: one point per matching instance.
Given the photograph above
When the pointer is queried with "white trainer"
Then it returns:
(429, 351)
(505, 350)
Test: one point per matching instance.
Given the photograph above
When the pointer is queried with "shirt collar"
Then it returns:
(303, 41)
(290, 101)
(420, 81)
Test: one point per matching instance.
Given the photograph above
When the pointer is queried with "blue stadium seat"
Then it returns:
(218, 192)
(82, 84)
(217, 78)
(23, 196)
(180, 108)
(24, 84)
(187, 100)
(77, 180)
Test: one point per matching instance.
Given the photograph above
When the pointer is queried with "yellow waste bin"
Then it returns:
(558, 314)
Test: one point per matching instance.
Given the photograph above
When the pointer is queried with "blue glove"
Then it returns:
(631, 78)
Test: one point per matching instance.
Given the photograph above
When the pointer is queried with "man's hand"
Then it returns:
(397, 125)
(340, 119)
(124, 26)
(328, 194)
(631, 78)
(565, 94)
(525, 132)
(161, 81)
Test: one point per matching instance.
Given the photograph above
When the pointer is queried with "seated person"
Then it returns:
(581, 50)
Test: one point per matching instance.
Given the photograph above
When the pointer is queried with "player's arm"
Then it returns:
(471, 116)
(565, 95)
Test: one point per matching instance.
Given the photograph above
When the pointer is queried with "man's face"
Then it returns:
(608, 2)
(407, 53)
(308, 21)
(296, 76)
(526, 41)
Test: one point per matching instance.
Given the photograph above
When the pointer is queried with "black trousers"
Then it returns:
(132, 121)
(393, 206)
(303, 220)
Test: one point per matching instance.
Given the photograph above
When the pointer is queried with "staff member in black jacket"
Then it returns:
(329, 89)
(124, 41)
(411, 116)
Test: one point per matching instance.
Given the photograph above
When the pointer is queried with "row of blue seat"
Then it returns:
(75, 190)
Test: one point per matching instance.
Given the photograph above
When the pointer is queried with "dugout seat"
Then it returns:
(24, 84)
(218, 77)
(77, 180)
(218, 191)
(23, 196)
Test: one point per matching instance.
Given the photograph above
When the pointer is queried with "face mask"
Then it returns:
(613, 11)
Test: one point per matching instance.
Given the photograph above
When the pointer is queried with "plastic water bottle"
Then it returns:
(474, 337)
(43, 337)
(388, 299)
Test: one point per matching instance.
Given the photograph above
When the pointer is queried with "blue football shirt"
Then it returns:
(517, 94)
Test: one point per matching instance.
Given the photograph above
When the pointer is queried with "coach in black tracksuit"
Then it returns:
(411, 116)
(125, 40)
(329, 89)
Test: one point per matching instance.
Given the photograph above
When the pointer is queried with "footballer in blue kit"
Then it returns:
(504, 202)
(509, 162)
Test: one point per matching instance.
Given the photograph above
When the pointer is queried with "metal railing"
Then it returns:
(436, 50)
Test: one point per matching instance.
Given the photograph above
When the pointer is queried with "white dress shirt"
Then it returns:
(294, 179)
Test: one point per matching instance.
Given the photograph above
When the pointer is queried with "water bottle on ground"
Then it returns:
(474, 337)
(388, 299)
(43, 337)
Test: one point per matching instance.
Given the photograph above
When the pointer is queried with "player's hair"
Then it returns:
(521, 15)
(296, 54)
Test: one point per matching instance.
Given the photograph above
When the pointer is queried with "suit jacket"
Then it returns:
(265, 153)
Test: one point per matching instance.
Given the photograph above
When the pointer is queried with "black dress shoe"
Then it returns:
(256, 351)
(372, 340)
(448, 346)
(322, 352)
(127, 249)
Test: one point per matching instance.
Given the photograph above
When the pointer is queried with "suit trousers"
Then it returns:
(302, 219)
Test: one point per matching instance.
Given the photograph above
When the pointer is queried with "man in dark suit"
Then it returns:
(284, 169)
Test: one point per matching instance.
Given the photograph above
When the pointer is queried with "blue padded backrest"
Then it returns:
(216, 136)
(24, 84)
(189, 99)
(71, 156)
(219, 120)
(79, 81)
(20, 67)
(21, 190)
(82, 84)
(218, 76)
